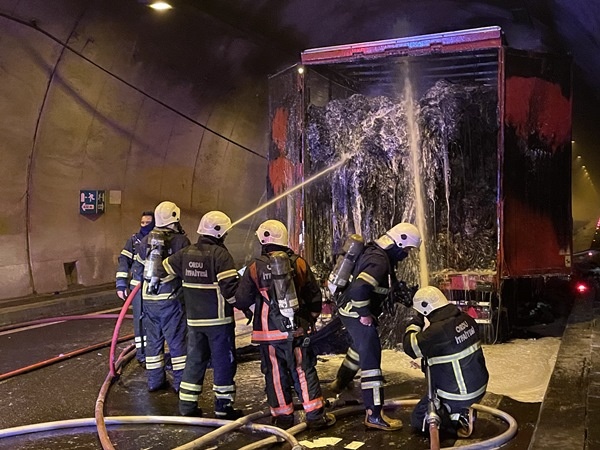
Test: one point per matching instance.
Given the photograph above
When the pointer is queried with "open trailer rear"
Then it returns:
(456, 132)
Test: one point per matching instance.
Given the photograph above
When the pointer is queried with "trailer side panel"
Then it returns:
(536, 173)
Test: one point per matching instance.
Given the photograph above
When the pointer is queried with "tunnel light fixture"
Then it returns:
(160, 6)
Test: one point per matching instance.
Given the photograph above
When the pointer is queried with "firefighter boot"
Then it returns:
(224, 409)
(346, 373)
(190, 412)
(465, 423)
(284, 422)
(189, 408)
(324, 421)
(157, 383)
(228, 413)
(379, 421)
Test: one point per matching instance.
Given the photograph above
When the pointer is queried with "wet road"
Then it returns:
(69, 389)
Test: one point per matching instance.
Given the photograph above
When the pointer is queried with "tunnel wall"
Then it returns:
(110, 95)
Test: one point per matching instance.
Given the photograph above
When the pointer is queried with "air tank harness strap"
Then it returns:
(264, 292)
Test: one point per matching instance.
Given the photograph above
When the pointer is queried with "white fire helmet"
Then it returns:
(272, 232)
(404, 235)
(214, 223)
(429, 299)
(166, 213)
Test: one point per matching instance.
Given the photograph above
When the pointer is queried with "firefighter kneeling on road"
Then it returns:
(209, 284)
(447, 340)
(359, 305)
(287, 301)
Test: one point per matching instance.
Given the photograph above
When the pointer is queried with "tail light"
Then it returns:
(581, 287)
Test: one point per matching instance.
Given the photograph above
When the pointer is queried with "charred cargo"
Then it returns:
(484, 130)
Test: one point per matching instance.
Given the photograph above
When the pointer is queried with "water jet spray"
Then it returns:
(343, 159)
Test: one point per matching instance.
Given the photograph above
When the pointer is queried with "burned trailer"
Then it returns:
(456, 132)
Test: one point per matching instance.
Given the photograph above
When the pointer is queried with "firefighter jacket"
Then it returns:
(126, 260)
(255, 287)
(169, 284)
(209, 281)
(370, 284)
(450, 346)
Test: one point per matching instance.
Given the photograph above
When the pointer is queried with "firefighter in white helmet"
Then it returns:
(164, 316)
(359, 304)
(450, 346)
(209, 284)
(287, 300)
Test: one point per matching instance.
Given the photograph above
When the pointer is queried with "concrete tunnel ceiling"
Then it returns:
(113, 95)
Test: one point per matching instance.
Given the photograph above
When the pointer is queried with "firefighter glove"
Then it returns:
(248, 314)
(418, 320)
(402, 293)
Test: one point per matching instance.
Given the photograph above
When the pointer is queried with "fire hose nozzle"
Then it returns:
(433, 418)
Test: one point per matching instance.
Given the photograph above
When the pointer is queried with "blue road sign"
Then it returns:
(91, 202)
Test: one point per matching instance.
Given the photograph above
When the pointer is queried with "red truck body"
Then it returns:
(531, 156)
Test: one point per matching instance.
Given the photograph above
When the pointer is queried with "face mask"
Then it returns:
(397, 253)
(146, 229)
(179, 228)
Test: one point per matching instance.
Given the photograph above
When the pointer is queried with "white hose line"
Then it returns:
(499, 440)
(273, 440)
(492, 443)
(215, 434)
(143, 420)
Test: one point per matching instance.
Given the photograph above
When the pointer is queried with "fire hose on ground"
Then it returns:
(491, 443)
(280, 435)
(223, 426)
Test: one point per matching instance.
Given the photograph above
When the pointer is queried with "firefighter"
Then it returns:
(164, 316)
(448, 341)
(287, 300)
(125, 264)
(359, 305)
(209, 284)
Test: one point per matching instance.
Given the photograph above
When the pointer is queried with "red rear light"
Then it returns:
(581, 288)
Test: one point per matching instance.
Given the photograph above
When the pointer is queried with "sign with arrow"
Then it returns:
(91, 202)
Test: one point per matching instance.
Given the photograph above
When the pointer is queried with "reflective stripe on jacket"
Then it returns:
(125, 261)
(169, 283)
(451, 347)
(254, 290)
(209, 281)
(369, 286)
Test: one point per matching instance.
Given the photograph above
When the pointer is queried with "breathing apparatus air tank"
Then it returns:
(154, 258)
(353, 247)
(285, 291)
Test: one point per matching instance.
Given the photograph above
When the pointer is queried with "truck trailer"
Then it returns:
(456, 132)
